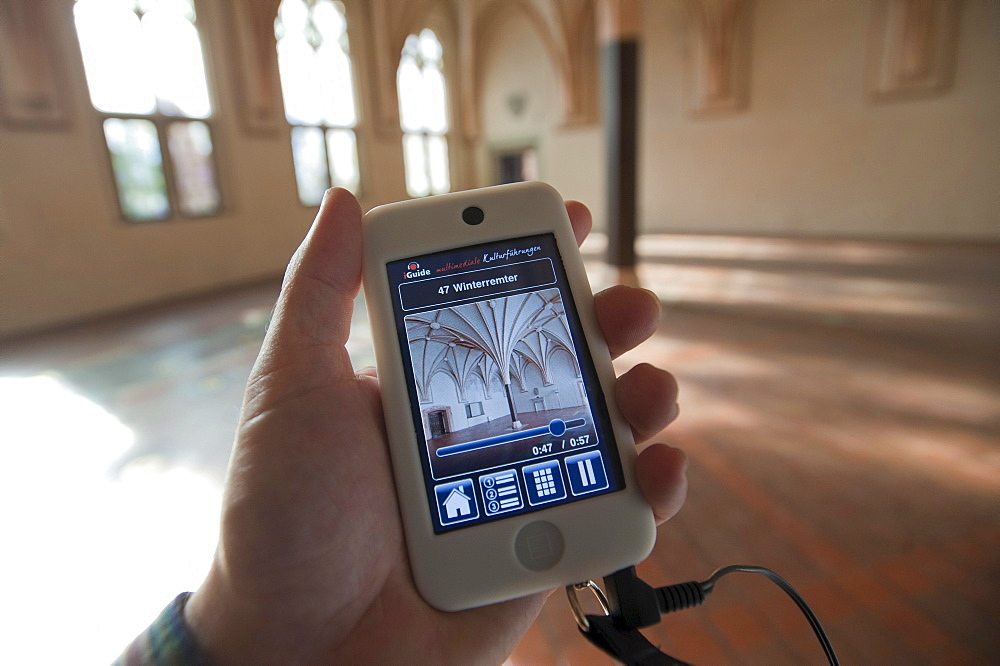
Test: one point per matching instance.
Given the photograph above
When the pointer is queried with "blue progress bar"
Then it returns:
(555, 427)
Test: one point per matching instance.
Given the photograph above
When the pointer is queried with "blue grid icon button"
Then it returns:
(544, 482)
(586, 473)
(456, 502)
(501, 493)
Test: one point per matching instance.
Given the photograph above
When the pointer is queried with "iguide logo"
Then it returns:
(414, 270)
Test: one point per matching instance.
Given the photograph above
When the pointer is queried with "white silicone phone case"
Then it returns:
(480, 565)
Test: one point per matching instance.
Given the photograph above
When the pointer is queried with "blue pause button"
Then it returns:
(586, 473)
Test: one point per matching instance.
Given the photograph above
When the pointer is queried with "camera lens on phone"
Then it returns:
(473, 215)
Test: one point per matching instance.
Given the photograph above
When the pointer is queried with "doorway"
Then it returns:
(514, 165)
(437, 421)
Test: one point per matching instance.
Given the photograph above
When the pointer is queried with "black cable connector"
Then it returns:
(636, 600)
(636, 604)
(680, 596)
(640, 604)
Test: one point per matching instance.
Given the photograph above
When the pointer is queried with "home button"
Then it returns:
(539, 545)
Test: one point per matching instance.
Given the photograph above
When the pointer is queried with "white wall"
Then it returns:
(811, 156)
(444, 393)
(515, 62)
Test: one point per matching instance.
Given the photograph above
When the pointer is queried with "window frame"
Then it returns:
(324, 126)
(161, 121)
(326, 155)
(426, 134)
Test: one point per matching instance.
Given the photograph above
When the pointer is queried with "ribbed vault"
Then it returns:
(496, 337)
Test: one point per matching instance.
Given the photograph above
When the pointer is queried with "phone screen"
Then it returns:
(508, 411)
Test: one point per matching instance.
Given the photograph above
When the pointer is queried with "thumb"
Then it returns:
(312, 318)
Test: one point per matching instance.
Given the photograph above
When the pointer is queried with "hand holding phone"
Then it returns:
(311, 564)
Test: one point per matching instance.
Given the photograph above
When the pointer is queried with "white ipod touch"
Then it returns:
(513, 467)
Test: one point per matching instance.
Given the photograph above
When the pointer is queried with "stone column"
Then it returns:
(619, 35)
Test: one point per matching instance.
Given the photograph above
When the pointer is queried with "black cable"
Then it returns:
(685, 595)
(636, 604)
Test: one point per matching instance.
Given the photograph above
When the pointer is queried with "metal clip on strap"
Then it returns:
(626, 645)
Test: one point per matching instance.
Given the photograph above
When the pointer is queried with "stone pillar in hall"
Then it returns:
(618, 31)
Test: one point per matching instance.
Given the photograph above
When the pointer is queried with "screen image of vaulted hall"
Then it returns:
(492, 368)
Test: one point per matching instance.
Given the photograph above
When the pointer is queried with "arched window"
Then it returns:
(146, 76)
(315, 66)
(423, 115)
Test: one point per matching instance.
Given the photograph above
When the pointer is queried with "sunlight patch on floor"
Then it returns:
(774, 249)
(802, 291)
(95, 556)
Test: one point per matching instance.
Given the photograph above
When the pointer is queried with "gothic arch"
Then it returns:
(392, 21)
(520, 365)
(449, 383)
(718, 71)
(567, 30)
(574, 362)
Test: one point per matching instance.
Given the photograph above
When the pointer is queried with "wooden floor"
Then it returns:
(840, 403)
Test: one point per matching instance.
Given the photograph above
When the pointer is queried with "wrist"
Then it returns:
(233, 629)
(167, 642)
(211, 623)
